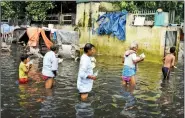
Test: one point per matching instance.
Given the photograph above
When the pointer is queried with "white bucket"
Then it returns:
(50, 26)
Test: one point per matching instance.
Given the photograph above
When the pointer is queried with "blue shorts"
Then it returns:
(166, 72)
(128, 71)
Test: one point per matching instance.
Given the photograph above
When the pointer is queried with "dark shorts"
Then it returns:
(45, 78)
(166, 72)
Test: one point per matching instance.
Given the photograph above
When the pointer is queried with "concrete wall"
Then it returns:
(151, 40)
(86, 7)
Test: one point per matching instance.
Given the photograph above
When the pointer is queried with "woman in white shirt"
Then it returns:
(85, 74)
(130, 60)
(50, 67)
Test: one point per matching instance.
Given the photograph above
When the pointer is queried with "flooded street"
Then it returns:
(151, 98)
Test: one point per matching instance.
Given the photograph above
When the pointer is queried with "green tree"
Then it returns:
(12, 9)
(37, 10)
(32, 10)
(167, 6)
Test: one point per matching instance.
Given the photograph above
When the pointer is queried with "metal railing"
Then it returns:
(65, 19)
(148, 14)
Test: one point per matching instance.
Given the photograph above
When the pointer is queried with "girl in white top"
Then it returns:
(130, 60)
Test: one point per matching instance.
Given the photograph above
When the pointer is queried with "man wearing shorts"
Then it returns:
(50, 67)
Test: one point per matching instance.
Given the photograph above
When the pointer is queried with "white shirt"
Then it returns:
(50, 63)
(129, 60)
(85, 84)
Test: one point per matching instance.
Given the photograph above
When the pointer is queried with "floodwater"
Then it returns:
(151, 98)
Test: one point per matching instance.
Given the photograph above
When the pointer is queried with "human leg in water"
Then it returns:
(49, 83)
(84, 96)
(124, 82)
(133, 81)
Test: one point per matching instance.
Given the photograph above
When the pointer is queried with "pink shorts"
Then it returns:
(127, 79)
(45, 78)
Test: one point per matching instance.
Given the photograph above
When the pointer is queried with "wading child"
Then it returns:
(169, 62)
(24, 68)
(50, 67)
(130, 60)
(85, 74)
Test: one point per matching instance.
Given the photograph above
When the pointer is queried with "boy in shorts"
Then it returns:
(24, 68)
(169, 62)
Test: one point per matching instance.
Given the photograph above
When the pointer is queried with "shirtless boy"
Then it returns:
(169, 62)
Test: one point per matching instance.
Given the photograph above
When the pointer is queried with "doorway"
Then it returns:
(170, 41)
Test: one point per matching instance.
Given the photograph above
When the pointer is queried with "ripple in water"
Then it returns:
(150, 99)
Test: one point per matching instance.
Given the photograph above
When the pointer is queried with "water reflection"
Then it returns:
(48, 104)
(24, 95)
(84, 110)
(127, 93)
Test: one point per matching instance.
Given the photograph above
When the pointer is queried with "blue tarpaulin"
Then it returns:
(113, 24)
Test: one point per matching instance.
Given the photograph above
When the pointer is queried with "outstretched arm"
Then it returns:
(173, 61)
(137, 59)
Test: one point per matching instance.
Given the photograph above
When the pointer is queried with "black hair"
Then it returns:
(87, 47)
(23, 57)
(53, 48)
(172, 49)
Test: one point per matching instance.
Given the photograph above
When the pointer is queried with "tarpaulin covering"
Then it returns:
(67, 37)
(113, 23)
(68, 42)
(34, 33)
(67, 51)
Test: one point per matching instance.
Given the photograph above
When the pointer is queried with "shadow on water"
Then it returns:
(150, 98)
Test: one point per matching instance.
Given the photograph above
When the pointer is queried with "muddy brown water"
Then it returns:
(152, 98)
